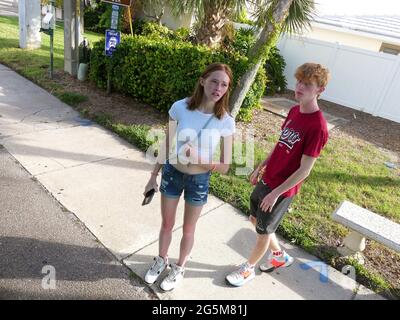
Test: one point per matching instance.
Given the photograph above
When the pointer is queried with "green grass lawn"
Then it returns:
(349, 169)
(33, 64)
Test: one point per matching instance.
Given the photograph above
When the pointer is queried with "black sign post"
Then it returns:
(113, 36)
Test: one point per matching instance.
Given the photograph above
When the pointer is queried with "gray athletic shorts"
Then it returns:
(267, 222)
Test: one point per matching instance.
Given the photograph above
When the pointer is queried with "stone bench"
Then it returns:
(365, 224)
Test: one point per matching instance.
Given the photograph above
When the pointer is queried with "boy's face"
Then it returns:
(307, 91)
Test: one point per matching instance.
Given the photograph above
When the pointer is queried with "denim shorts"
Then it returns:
(173, 182)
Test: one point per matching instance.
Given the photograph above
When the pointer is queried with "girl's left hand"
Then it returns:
(191, 153)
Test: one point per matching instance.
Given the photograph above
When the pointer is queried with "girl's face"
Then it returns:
(215, 85)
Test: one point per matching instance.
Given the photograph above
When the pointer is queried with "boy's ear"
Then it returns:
(320, 90)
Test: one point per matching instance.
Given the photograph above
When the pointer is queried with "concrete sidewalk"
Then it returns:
(100, 177)
(39, 236)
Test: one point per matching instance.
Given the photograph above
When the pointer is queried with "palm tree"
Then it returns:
(154, 9)
(275, 17)
(212, 17)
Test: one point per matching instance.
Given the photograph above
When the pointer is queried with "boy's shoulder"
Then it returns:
(294, 108)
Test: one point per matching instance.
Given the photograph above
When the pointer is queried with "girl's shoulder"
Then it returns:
(227, 117)
(181, 104)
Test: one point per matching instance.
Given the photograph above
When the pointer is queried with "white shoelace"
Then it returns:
(157, 263)
(243, 267)
(173, 273)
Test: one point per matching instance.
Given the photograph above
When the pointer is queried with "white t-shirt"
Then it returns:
(190, 122)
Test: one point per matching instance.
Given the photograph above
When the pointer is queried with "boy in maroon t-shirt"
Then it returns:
(304, 135)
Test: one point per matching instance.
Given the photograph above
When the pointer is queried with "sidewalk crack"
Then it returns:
(33, 114)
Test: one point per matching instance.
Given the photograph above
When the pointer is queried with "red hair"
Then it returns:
(309, 72)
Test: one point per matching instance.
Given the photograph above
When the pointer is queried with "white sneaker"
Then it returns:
(174, 277)
(155, 270)
(275, 262)
(242, 275)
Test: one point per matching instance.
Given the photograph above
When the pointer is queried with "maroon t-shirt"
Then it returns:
(302, 133)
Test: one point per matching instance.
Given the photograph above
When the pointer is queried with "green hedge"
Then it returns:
(275, 69)
(160, 71)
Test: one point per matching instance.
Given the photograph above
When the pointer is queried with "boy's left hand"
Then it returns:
(269, 201)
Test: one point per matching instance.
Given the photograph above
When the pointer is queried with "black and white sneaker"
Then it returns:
(155, 270)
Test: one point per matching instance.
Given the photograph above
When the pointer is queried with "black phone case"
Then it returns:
(148, 197)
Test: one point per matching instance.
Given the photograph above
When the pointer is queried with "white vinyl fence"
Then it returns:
(360, 79)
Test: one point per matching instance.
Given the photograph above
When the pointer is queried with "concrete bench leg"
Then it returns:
(354, 244)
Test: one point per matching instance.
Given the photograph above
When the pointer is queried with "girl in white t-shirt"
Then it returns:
(197, 125)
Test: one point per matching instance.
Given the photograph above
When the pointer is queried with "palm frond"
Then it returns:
(301, 13)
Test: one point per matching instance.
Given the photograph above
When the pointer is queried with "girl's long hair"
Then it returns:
(221, 106)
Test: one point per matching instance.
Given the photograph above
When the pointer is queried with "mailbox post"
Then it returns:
(48, 25)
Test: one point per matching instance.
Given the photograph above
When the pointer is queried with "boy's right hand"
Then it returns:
(254, 176)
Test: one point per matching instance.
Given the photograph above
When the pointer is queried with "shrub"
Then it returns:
(161, 72)
(92, 17)
(275, 68)
(98, 65)
(242, 41)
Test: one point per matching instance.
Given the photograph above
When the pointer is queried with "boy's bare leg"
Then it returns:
(274, 244)
(253, 220)
(260, 248)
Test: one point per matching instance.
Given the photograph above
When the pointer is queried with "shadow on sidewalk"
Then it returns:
(311, 284)
(24, 258)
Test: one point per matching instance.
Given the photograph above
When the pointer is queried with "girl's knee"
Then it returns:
(167, 226)
(188, 231)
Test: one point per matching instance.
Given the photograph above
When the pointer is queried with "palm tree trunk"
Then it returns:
(211, 29)
(258, 53)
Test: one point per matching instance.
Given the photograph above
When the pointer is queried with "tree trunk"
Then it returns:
(258, 53)
(211, 29)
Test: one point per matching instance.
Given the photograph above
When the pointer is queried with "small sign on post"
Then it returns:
(125, 3)
(114, 17)
(113, 38)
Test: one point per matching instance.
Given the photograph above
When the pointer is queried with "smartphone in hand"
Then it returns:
(148, 197)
